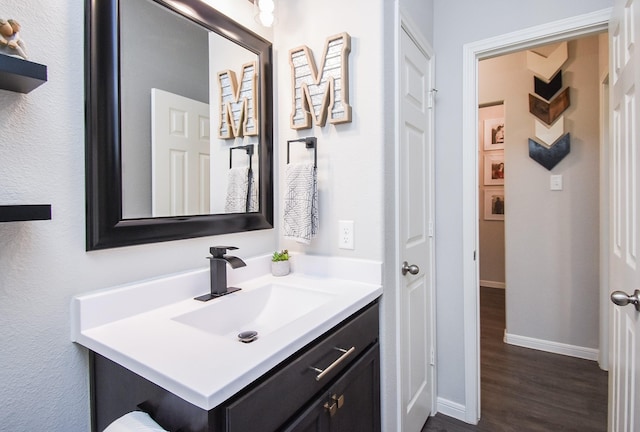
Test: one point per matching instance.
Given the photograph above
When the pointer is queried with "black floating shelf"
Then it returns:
(20, 75)
(16, 213)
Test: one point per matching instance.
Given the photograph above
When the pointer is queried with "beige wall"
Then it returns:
(551, 237)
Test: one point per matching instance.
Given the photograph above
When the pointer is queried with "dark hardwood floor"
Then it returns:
(527, 390)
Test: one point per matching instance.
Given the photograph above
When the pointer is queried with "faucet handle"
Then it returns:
(219, 251)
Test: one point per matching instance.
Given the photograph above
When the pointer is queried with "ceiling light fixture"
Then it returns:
(264, 12)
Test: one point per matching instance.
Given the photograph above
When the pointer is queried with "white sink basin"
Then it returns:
(263, 309)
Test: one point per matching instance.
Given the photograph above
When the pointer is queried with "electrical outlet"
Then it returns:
(345, 234)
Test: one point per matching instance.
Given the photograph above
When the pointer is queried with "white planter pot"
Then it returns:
(280, 268)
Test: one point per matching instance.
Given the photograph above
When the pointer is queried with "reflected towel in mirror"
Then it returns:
(242, 194)
(301, 202)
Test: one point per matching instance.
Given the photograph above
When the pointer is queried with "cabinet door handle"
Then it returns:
(323, 372)
(339, 400)
(331, 408)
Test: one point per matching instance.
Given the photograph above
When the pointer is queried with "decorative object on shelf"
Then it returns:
(549, 157)
(280, 263)
(317, 96)
(548, 112)
(238, 103)
(494, 169)
(494, 204)
(10, 41)
(494, 134)
(546, 67)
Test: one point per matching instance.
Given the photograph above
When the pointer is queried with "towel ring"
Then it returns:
(248, 148)
(310, 142)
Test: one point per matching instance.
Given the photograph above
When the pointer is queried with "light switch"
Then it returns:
(556, 182)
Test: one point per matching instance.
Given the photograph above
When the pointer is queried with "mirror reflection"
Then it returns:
(189, 123)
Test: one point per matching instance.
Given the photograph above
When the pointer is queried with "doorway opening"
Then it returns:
(551, 226)
(553, 33)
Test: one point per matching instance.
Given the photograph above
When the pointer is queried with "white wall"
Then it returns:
(43, 264)
(355, 160)
(350, 164)
(421, 13)
(456, 24)
(551, 236)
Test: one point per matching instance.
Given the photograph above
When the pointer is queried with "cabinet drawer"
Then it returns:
(293, 383)
(351, 404)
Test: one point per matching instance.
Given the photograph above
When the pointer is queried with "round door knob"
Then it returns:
(622, 299)
(413, 269)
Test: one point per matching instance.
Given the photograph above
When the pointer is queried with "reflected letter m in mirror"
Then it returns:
(238, 104)
(316, 96)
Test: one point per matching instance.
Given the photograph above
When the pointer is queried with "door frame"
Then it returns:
(569, 28)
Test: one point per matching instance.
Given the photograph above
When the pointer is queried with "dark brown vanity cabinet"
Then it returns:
(332, 384)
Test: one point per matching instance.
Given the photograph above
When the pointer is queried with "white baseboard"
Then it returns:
(493, 284)
(452, 409)
(552, 347)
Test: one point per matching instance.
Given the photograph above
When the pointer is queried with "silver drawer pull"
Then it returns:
(345, 354)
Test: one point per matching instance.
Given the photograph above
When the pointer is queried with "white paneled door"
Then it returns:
(624, 75)
(416, 240)
(180, 151)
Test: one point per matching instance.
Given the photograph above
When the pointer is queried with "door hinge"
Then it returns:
(474, 255)
(431, 97)
(432, 362)
(430, 229)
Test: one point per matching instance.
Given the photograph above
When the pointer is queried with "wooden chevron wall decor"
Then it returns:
(546, 67)
(547, 90)
(548, 104)
(549, 157)
(548, 112)
(549, 134)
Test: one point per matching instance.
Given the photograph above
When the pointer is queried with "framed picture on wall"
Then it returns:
(494, 204)
(494, 134)
(494, 169)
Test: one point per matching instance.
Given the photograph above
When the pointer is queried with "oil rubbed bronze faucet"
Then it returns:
(218, 272)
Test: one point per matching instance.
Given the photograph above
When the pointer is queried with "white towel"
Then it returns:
(135, 421)
(238, 189)
(301, 202)
(253, 194)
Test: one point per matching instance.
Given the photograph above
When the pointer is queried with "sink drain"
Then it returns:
(248, 336)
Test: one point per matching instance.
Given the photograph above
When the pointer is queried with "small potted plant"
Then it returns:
(280, 263)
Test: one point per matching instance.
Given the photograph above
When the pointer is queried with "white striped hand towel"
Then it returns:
(301, 202)
(237, 184)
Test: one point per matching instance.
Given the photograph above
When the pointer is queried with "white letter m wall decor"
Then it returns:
(238, 103)
(317, 95)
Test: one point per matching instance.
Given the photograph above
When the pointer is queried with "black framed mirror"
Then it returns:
(106, 225)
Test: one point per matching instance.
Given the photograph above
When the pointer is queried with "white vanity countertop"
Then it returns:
(134, 325)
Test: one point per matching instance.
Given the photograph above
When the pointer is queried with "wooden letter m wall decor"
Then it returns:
(318, 95)
(238, 103)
